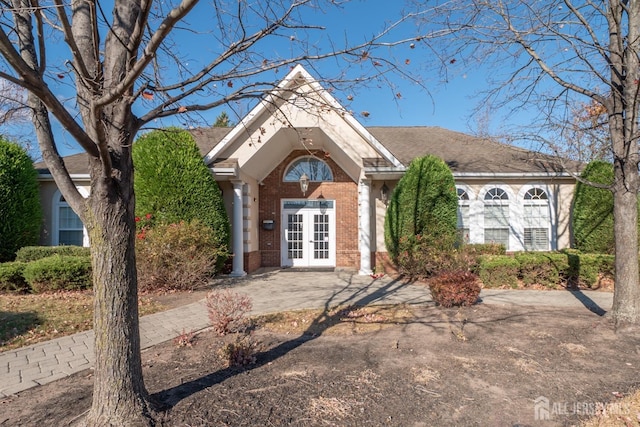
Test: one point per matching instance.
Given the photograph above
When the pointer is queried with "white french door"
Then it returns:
(308, 233)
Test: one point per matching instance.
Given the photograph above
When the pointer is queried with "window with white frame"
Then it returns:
(67, 226)
(496, 217)
(536, 220)
(463, 215)
(315, 169)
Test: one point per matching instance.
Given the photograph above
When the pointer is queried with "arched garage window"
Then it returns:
(67, 229)
(536, 220)
(496, 216)
(316, 170)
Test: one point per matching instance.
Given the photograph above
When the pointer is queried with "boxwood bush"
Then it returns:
(59, 272)
(33, 253)
(587, 269)
(12, 277)
(498, 270)
(542, 268)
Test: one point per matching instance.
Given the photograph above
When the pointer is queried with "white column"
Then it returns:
(238, 231)
(364, 230)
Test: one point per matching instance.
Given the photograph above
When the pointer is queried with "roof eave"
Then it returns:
(485, 175)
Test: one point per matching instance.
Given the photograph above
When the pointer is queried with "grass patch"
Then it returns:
(338, 320)
(27, 319)
(624, 412)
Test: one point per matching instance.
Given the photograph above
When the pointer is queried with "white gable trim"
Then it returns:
(299, 71)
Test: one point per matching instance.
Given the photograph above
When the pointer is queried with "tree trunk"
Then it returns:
(626, 298)
(119, 395)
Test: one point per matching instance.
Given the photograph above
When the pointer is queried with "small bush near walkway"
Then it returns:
(178, 256)
(58, 272)
(498, 270)
(12, 277)
(227, 311)
(455, 288)
(542, 268)
(33, 253)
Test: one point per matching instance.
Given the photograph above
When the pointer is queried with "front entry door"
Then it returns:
(308, 238)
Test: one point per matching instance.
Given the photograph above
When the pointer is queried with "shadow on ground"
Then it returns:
(15, 324)
(350, 295)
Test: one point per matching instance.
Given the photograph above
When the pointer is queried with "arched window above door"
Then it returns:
(315, 169)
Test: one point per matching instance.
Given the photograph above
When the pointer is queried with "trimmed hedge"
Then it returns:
(12, 277)
(588, 269)
(58, 272)
(551, 269)
(498, 270)
(477, 249)
(542, 268)
(33, 253)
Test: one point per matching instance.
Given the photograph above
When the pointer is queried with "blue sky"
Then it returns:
(448, 105)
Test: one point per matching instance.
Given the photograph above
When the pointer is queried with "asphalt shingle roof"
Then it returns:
(463, 153)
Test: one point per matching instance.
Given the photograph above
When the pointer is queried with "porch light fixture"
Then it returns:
(384, 193)
(304, 183)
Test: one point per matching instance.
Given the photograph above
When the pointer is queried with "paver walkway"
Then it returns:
(272, 291)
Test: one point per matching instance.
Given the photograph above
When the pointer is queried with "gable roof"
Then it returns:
(298, 85)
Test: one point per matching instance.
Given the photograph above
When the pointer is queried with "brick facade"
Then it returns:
(343, 190)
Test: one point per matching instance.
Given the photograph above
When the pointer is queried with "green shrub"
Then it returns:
(20, 210)
(588, 269)
(173, 184)
(477, 249)
(12, 277)
(58, 272)
(176, 256)
(498, 271)
(422, 215)
(425, 256)
(542, 268)
(454, 288)
(33, 253)
(593, 210)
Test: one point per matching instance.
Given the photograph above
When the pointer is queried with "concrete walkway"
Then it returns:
(272, 291)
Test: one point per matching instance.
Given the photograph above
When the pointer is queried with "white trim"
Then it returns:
(56, 204)
(299, 72)
(307, 212)
(484, 175)
(552, 222)
(237, 228)
(286, 169)
(468, 190)
(513, 221)
(364, 228)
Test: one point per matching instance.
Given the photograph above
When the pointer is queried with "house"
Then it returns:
(306, 184)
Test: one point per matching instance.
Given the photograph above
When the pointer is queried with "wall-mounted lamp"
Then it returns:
(304, 183)
(384, 193)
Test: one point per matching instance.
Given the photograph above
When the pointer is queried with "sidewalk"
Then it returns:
(273, 291)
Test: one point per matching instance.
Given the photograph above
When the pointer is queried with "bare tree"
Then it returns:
(548, 56)
(586, 137)
(130, 61)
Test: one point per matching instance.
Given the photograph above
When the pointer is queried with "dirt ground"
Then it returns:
(482, 366)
